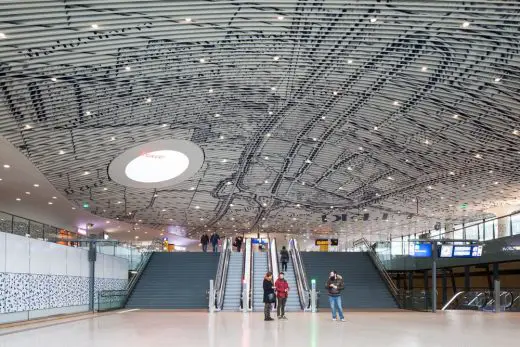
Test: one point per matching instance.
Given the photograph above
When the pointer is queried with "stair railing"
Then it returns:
(273, 258)
(300, 274)
(364, 245)
(246, 301)
(220, 283)
(145, 259)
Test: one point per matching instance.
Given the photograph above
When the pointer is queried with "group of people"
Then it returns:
(214, 240)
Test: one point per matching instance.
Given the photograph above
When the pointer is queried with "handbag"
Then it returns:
(271, 298)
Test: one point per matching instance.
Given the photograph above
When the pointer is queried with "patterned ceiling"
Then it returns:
(302, 108)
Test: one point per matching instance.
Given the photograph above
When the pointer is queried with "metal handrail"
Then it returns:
(380, 266)
(221, 285)
(301, 276)
(251, 281)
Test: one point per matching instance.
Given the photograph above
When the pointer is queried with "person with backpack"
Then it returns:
(204, 240)
(334, 286)
(282, 292)
(215, 238)
(269, 297)
(284, 258)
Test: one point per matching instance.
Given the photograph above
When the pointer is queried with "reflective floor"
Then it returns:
(366, 329)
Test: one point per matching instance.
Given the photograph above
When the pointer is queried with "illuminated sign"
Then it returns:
(470, 251)
(446, 251)
(321, 242)
(420, 250)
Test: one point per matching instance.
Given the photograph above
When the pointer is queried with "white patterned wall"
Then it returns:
(40, 276)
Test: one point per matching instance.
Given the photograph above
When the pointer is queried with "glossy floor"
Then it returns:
(367, 329)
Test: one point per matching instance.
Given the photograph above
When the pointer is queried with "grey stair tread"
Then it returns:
(364, 287)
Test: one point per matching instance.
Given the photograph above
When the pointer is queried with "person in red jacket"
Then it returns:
(282, 291)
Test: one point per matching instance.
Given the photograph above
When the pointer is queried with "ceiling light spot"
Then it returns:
(187, 20)
(192, 188)
(308, 161)
(266, 158)
(221, 137)
(349, 168)
(28, 193)
(276, 58)
(264, 204)
(426, 142)
(323, 117)
(119, 202)
(228, 183)
(54, 197)
(164, 125)
(27, 126)
(424, 69)
(217, 115)
(429, 187)
(516, 132)
(224, 160)
(266, 181)
(197, 207)
(335, 92)
(88, 113)
(455, 116)
(490, 171)
(231, 205)
(280, 17)
(349, 61)
(273, 89)
(148, 100)
(7, 166)
(54, 79)
(18, 199)
(86, 173)
(465, 24)
(128, 68)
(495, 183)
(2, 36)
(497, 79)
(360, 148)
(376, 128)
(95, 26)
(373, 20)
(36, 185)
(50, 202)
(390, 178)
(396, 103)
(268, 134)
(202, 60)
(61, 152)
(452, 173)
(298, 205)
(332, 207)
(73, 208)
(303, 183)
(478, 156)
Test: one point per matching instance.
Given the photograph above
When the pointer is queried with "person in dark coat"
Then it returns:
(334, 286)
(204, 240)
(238, 243)
(214, 239)
(268, 294)
(284, 258)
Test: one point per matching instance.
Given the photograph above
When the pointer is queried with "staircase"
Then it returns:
(364, 287)
(233, 289)
(175, 281)
(259, 269)
(293, 300)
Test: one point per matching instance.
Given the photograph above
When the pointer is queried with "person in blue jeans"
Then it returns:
(334, 286)
(214, 239)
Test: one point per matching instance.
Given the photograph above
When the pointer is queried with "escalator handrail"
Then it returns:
(445, 307)
(273, 258)
(225, 269)
(299, 272)
(251, 280)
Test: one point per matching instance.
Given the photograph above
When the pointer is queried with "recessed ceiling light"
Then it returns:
(112, 138)
(373, 20)
(86, 173)
(210, 90)
(465, 24)
(28, 126)
(429, 187)
(7, 166)
(424, 69)
(349, 168)
(497, 79)
(73, 208)
(163, 210)
(119, 202)
(452, 173)
(495, 183)
(323, 117)
(349, 61)
(221, 137)
(276, 58)
(148, 99)
(281, 17)
(164, 125)
(332, 207)
(340, 188)
(108, 222)
(231, 205)
(197, 207)
(36, 185)
(88, 113)
(478, 156)
(298, 205)
(228, 183)
(192, 188)
(426, 142)
(137, 237)
(455, 116)
(390, 178)
(217, 115)
(128, 68)
(266, 181)
(303, 183)
(376, 128)
(268, 134)
(54, 79)
(54, 197)
(516, 132)
(224, 160)
(360, 148)
(61, 152)
(266, 158)
(95, 26)
(490, 171)
(396, 103)
(187, 19)
(264, 204)
(50, 202)
(335, 92)
(273, 88)
(202, 60)
(2, 36)
(308, 161)
(28, 193)
(18, 199)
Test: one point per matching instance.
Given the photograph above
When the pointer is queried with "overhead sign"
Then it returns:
(420, 250)
(326, 242)
(461, 251)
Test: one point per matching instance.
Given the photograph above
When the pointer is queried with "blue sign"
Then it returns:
(259, 241)
(420, 250)
(469, 251)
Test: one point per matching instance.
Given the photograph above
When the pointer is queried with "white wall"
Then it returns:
(39, 278)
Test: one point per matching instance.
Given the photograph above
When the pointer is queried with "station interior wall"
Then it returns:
(39, 279)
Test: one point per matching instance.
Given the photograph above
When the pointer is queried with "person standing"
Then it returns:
(334, 286)
(238, 243)
(269, 296)
(284, 258)
(282, 292)
(215, 238)
(204, 240)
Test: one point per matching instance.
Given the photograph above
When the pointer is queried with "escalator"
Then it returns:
(483, 300)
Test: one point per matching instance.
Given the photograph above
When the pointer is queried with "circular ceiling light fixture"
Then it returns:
(157, 164)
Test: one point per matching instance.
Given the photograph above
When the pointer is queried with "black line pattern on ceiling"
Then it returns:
(360, 105)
